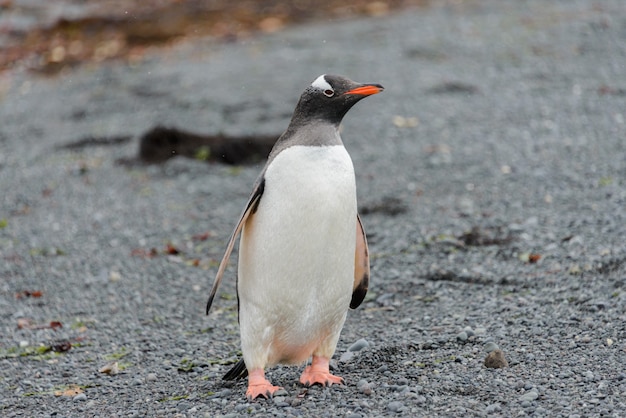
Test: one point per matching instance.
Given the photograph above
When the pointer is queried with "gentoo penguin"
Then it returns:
(303, 257)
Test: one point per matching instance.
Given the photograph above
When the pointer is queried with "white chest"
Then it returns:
(298, 248)
(303, 174)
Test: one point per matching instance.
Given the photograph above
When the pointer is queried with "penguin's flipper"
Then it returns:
(251, 207)
(361, 266)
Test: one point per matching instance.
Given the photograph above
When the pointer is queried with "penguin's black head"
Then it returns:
(330, 97)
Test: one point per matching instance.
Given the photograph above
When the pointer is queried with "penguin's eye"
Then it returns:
(329, 93)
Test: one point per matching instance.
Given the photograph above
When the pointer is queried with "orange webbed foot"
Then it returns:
(258, 386)
(319, 372)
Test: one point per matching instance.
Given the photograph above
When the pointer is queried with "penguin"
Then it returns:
(303, 254)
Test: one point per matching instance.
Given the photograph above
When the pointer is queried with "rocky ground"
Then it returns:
(491, 178)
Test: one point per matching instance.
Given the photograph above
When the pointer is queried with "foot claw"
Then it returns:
(259, 386)
(265, 390)
(310, 378)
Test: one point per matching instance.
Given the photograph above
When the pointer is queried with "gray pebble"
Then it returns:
(361, 383)
(183, 406)
(430, 344)
(354, 416)
(281, 392)
(491, 346)
(395, 406)
(347, 356)
(531, 395)
(462, 336)
(151, 377)
(365, 388)
(80, 397)
(493, 408)
(359, 345)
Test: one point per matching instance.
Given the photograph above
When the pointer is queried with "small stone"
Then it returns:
(462, 336)
(183, 405)
(491, 346)
(80, 397)
(151, 377)
(110, 369)
(361, 382)
(364, 387)
(496, 360)
(493, 408)
(347, 356)
(529, 396)
(574, 269)
(281, 392)
(359, 345)
(395, 406)
(469, 331)
(430, 344)
(296, 402)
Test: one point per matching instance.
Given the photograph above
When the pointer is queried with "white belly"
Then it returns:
(296, 257)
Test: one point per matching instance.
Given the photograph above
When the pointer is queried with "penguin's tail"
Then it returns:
(239, 371)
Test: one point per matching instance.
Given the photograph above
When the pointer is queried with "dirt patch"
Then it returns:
(161, 143)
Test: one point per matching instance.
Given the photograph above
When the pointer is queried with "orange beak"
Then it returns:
(366, 90)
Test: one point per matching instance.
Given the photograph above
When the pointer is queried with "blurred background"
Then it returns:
(48, 36)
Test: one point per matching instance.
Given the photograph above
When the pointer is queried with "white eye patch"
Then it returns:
(321, 83)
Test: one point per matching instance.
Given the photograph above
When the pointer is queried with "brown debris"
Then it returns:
(28, 294)
(27, 323)
(496, 360)
(70, 391)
